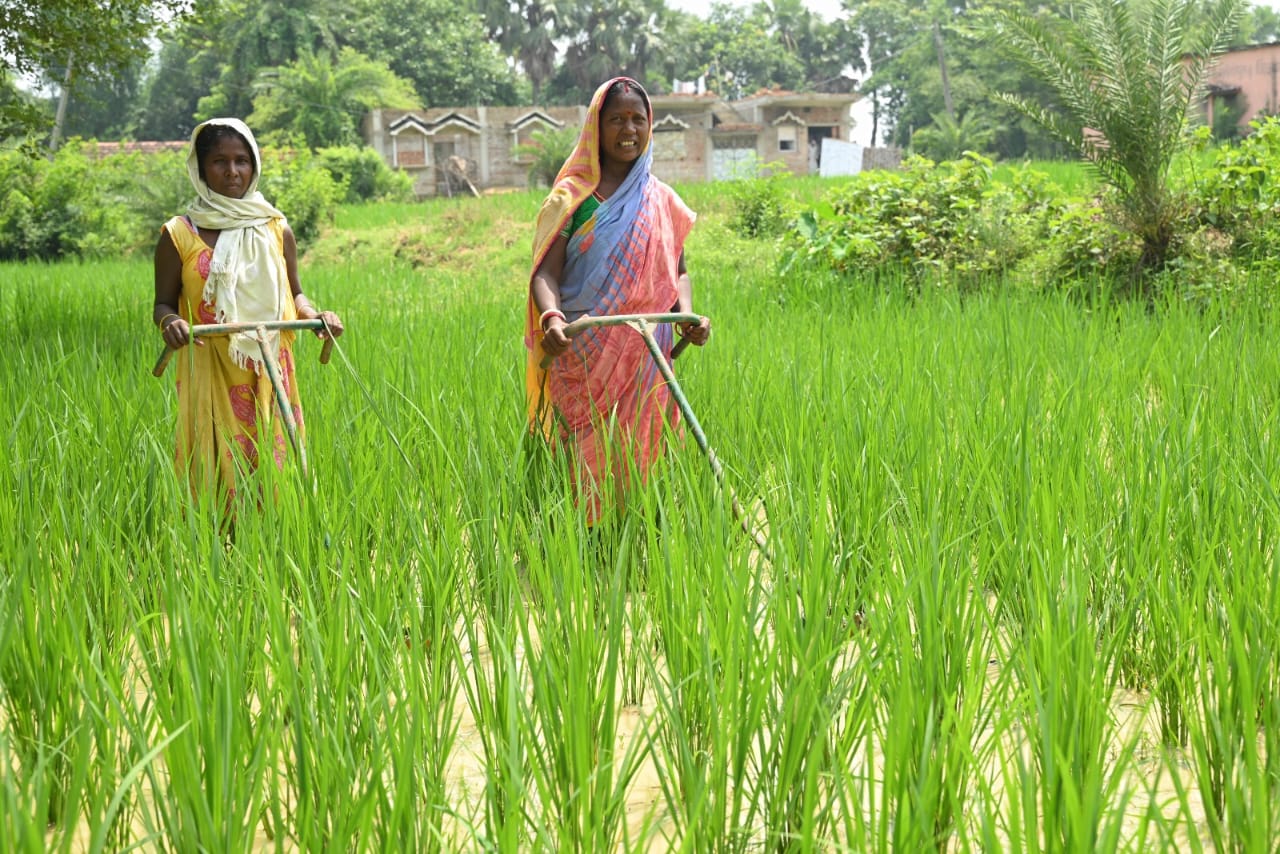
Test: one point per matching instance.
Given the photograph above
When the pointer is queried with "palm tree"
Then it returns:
(949, 138)
(1124, 74)
(323, 100)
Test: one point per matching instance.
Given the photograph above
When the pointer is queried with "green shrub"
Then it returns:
(298, 184)
(367, 175)
(930, 221)
(60, 207)
(1240, 196)
(760, 207)
(547, 151)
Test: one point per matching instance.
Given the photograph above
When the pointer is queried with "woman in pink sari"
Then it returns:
(609, 240)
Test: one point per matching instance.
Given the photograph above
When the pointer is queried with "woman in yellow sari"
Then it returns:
(609, 240)
(231, 258)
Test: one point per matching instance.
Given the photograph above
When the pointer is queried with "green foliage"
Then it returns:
(52, 208)
(1086, 244)
(237, 39)
(949, 138)
(99, 39)
(323, 101)
(931, 221)
(547, 151)
(439, 47)
(1239, 195)
(1121, 70)
(1227, 114)
(78, 206)
(365, 174)
(297, 183)
(760, 204)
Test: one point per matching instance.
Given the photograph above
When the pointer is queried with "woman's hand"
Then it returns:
(176, 332)
(332, 322)
(554, 341)
(697, 333)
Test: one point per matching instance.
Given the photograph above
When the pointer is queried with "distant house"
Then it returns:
(1245, 79)
(696, 137)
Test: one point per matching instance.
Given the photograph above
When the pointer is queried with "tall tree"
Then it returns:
(735, 49)
(172, 90)
(609, 37)
(249, 35)
(94, 41)
(324, 101)
(440, 47)
(827, 51)
(527, 31)
(102, 108)
(1124, 77)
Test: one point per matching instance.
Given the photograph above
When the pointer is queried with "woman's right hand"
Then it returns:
(554, 341)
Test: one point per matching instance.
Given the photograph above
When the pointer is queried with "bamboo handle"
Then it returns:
(163, 362)
(205, 330)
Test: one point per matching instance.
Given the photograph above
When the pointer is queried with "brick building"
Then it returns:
(1245, 78)
(696, 137)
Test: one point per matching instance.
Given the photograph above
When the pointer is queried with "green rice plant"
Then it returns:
(494, 695)
(818, 696)
(574, 635)
(205, 668)
(42, 650)
(24, 804)
(1233, 749)
(994, 518)
(711, 684)
(929, 678)
(1062, 787)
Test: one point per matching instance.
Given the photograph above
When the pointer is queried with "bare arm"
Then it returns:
(174, 328)
(306, 311)
(696, 333)
(545, 289)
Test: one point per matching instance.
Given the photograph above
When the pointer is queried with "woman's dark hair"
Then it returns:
(624, 86)
(208, 138)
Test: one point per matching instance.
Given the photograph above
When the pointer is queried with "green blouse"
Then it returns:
(581, 215)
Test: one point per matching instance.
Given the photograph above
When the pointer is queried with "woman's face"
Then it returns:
(228, 167)
(624, 128)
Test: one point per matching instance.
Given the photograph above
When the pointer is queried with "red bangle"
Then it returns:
(551, 312)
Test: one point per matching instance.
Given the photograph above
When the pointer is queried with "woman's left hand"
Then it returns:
(697, 333)
(332, 322)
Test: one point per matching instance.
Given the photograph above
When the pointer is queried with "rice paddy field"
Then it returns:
(1021, 591)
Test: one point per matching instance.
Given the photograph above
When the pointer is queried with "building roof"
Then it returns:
(783, 97)
(106, 149)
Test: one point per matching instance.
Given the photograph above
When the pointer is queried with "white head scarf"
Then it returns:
(247, 278)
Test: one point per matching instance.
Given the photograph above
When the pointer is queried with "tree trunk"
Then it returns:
(875, 117)
(56, 139)
(942, 67)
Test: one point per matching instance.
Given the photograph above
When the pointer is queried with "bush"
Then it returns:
(298, 184)
(547, 151)
(760, 206)
(60, 207)
(367, 175)
(1240, 196)
(929, 221)
(80, 206)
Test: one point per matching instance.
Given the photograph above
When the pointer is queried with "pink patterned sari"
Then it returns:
(604, 399)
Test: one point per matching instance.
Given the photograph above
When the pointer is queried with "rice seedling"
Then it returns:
(994, 519)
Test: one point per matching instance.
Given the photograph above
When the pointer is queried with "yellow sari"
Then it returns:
(226, 413)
